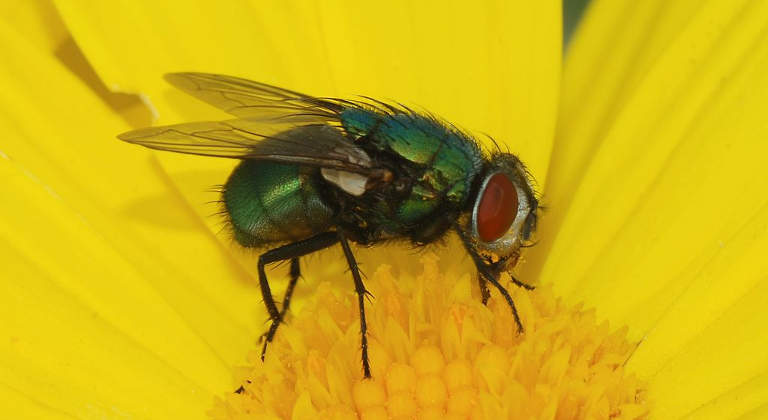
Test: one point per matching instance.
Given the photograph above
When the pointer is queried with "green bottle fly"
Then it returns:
(316, 172)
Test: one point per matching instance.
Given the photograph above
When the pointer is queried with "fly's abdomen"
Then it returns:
(273, 202)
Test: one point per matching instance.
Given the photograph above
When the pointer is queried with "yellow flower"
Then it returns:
(436, 352)
(119, 300)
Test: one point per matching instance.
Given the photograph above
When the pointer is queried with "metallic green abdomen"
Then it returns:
(273, 202)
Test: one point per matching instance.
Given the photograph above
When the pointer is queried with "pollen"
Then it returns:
(437, 352)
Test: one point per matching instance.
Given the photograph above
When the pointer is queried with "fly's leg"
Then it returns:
(485, 294)
(491, 274)
(295, 274)
(492, 279)
(291, 252)
(495, 268)
(361, 292)
(518, 283)
(270, 334)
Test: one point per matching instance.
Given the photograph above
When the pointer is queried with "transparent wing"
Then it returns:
(248, 99)
(314, 144)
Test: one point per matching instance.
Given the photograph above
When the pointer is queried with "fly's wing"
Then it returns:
(253, 100)
(274, 124)
(313, 144)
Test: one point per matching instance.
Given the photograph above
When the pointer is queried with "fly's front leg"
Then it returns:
(498, 267)
(494, 281)
(361, 292)
(518, 283)
(485, 294)
(490, 273)
(290, 251)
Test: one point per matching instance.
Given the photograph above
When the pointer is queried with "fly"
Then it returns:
(317, 172)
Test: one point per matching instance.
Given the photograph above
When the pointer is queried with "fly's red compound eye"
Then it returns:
(497, 209)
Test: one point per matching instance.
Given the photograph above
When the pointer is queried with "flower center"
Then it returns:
(437, 352)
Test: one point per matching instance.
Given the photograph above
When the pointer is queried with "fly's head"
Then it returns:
(503, 212)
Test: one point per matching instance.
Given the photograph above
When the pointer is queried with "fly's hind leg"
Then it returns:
(270, 334)
(295, 274)
(291, 252)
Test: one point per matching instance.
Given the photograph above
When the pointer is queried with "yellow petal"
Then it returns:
(746, 401)
(670, 191)
(35, 20)
(41, 25)
(721, 371)
(10, 397)
(658, 194)
(111, 291)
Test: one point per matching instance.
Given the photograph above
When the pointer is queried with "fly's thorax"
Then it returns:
(438, 162)
(274, 202)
